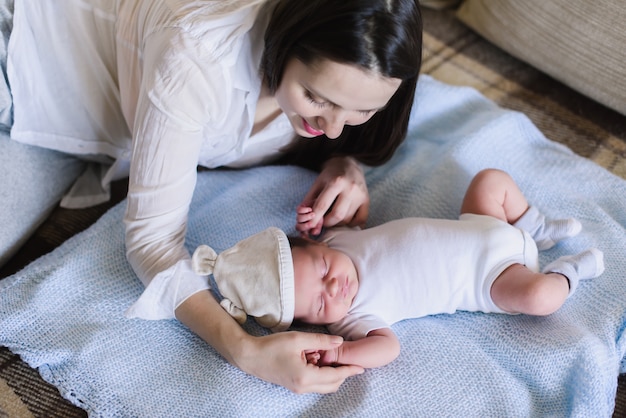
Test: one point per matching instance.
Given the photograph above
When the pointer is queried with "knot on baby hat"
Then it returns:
(255, 277)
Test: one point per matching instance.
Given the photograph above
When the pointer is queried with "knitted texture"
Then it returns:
(64, 314)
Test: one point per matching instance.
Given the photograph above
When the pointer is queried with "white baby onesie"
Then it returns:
(413, 267)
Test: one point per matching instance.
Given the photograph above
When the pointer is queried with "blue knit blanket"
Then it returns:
(64, 313)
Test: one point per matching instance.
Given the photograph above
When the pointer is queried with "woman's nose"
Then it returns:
(331, 286)
(332, 124)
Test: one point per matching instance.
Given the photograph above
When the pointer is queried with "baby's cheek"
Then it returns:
(339, 311)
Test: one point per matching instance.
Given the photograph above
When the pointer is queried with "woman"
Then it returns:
(152, 89)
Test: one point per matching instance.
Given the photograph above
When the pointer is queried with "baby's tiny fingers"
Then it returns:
(304, 217)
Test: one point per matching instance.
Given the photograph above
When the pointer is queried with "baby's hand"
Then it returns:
(323, 357)
(312, 357)
(304, 215)
(329, 357)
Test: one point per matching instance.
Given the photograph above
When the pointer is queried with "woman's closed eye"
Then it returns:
(315, 102)
(320, 103)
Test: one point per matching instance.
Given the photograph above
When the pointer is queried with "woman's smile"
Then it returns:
(311, 130)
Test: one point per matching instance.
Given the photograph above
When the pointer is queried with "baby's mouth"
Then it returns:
(345, 290)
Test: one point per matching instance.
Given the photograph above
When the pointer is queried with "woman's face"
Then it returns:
(324, 97)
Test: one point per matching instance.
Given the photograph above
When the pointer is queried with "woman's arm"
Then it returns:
(277, 358)
(380, 347)
(167, 136)
(175, 103)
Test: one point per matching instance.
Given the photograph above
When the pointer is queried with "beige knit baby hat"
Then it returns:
(255, 277)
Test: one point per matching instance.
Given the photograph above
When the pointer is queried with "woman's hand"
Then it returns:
(277, 358)
(281, 358)
(339, 196)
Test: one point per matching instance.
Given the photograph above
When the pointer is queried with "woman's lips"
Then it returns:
(311, 129)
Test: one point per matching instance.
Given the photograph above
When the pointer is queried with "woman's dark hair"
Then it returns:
(384, 36)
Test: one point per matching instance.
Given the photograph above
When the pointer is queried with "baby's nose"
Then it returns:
(331, 287)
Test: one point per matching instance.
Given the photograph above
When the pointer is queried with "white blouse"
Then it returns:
(153, 88)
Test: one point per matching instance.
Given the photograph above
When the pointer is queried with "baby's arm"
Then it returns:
(380, 347)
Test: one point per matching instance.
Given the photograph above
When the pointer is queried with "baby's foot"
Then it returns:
(587, 265)
(554, 231)
(545, 232)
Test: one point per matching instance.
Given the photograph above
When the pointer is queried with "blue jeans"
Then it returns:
(6, 102)
(32, 179)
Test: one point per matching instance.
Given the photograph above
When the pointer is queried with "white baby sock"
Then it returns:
(587, 265)
(545, 232)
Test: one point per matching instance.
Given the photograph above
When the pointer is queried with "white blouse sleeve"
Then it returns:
(176, 103)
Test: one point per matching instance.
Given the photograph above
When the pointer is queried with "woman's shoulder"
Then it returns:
(212, 8)
(219, 26)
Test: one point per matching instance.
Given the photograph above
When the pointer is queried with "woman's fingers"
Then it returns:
(338, 196)
(289, 353)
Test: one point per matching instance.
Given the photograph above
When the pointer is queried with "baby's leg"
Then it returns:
(494, 192)
(521, 290)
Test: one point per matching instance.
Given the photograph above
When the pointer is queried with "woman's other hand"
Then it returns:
(277, 358)
(281, 358)
(338, 196)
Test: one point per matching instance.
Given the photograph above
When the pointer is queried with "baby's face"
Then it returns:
(326, 283)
